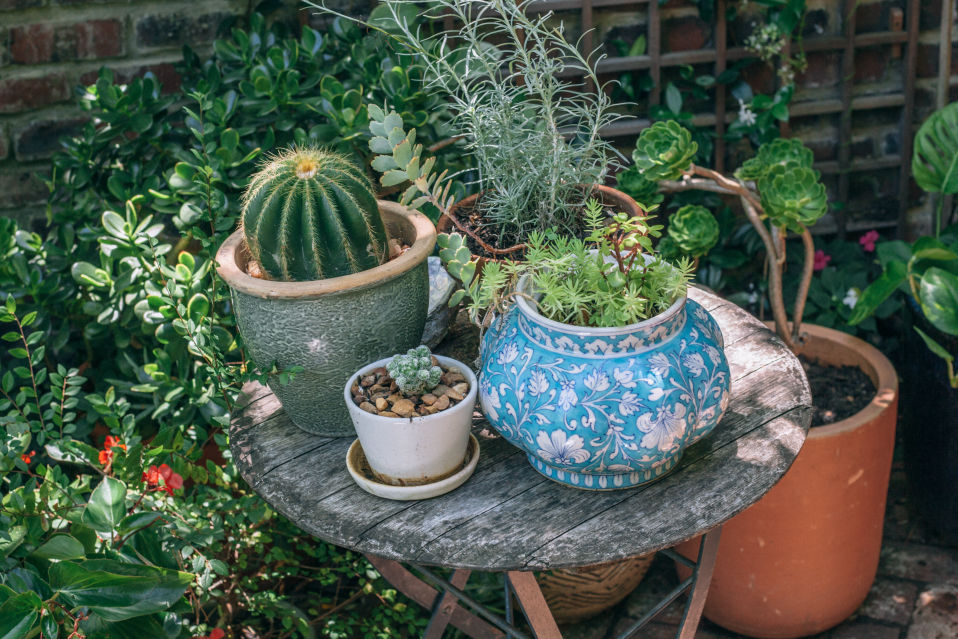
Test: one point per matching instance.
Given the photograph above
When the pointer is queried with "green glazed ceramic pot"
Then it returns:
(335, 326)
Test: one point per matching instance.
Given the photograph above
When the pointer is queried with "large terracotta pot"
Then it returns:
(803, 558)
(332, 327)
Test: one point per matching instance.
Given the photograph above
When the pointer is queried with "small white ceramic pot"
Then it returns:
(409, 451)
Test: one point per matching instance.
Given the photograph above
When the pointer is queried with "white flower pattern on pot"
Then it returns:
(624, 417)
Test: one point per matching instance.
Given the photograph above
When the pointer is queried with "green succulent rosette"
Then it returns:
(779, 152)
(694, 230)
(792, 196)
(642, 190)
(668, 249)
(664, 151)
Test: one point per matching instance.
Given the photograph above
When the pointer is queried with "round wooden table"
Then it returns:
(509, 518)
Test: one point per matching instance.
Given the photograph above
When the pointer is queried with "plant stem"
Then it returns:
(808, 268)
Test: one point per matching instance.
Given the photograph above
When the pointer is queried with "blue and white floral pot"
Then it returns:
(604, 408)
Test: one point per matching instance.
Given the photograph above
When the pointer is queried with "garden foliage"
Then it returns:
(120, 513)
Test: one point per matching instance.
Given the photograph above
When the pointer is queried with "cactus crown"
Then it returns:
(414, 372)
(310, 214)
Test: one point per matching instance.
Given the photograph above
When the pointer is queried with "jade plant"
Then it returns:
(311, 214)
(777, 187)
(414, 372)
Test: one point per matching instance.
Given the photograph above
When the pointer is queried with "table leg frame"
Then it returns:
(443, 597)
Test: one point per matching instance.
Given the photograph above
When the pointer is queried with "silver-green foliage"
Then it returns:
(414, 372)
(511, 80)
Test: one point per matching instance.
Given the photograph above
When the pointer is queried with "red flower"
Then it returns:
(106, 455)
(216, 633)
(821, 260)
(28, 457)
(868, 240)
(171, 481)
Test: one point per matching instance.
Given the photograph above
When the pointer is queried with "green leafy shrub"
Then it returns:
(127, 332)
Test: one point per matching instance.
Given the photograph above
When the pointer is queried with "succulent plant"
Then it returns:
(664, 151)
(458, 261)
(639, 188)
(694, 230)
(792, 196)
(310, 214)
(414, 372)
(781, 151)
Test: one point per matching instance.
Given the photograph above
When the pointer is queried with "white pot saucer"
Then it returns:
(359, 470)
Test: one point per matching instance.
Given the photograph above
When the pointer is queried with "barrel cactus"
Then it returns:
(310, 214)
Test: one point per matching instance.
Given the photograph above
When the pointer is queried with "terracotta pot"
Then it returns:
(607, 195)
(803, 558)
(576, 594)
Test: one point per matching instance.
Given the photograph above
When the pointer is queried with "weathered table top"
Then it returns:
(507, 516)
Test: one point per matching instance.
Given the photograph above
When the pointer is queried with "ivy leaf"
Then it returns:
(106, 507)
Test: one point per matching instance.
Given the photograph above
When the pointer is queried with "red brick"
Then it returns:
(21, 188)
(823, 70)
(930, 15)
(39, 139)
(23, 94)
(4, 145)
(686, 34)
(176, 29)
(32, 44)
(873, 16)
(871, 64)
(99, 39)
(164, 71)
(927, 60)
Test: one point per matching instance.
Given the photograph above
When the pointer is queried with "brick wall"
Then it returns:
(50, 47)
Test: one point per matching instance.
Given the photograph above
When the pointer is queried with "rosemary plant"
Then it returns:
(521, 106)
(610, 278)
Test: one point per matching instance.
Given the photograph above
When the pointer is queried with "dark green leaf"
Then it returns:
(106, 506)
(938, 295)
(60, 547)
(18, 614)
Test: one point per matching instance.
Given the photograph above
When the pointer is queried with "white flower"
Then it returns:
(851, 298)
(597, 381)
(623, 378)
(694, 363)
(660, 364)
(538, 383)
(508, 353)
(745, 114)
(661, 432)
(567, 396)
(555, 448)
(629, 403)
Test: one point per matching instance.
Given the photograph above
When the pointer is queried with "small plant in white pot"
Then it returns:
(413, 414)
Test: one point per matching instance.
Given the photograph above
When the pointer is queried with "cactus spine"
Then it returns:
(310, 214)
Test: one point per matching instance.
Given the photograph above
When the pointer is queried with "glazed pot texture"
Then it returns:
(604, 408)
(803, 558)
(418, 450)
(332, 327)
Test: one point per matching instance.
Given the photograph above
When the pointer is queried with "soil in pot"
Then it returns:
(838, 392)
(377, 393)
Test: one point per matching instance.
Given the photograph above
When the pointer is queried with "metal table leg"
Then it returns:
(533, 605)
(704, 567)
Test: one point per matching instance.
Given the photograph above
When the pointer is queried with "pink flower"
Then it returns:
(868, 240)
(821, 260)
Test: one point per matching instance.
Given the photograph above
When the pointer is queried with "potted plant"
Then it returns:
(413, 414)
(926, 273)
(803, 558)
(514, 87)
(328, 295)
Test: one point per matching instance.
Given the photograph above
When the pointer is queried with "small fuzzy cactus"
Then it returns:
(311, 214)
(414, 372)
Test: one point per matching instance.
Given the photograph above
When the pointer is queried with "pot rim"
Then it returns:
(228, 264)
(526, 308)
(446, 361)
(885, 380)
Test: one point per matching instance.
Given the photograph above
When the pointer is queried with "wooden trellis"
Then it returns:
(902, 34)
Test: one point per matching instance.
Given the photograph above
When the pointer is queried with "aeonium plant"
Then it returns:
(779, 191)
(612, 277)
